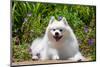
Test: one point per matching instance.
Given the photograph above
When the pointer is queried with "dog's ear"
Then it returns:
(64, 21)
(52, 19)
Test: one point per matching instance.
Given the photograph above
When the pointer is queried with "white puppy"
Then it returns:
(59, 42)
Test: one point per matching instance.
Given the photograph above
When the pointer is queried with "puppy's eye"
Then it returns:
(60, 30)
(53, 29)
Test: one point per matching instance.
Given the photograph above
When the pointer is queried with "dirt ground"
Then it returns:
(43, 62)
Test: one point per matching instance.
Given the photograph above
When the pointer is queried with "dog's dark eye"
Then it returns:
(53, 29)
(60, 30)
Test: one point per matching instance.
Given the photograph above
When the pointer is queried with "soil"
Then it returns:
(38, 62)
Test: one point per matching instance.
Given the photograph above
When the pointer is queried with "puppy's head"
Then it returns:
(57, 30)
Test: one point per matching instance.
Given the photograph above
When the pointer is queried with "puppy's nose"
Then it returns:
(56, 33)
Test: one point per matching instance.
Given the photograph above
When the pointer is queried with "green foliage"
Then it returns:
(20, 52)
(30, 19)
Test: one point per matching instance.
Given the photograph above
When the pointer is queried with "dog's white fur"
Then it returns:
(48, 48)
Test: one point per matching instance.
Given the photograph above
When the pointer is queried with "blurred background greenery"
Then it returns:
(30, 19)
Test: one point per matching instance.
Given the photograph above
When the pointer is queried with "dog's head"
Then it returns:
(57, 30)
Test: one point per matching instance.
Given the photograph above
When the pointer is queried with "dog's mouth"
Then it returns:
(57, 38)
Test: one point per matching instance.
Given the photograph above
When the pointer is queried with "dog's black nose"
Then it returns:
(56, 33)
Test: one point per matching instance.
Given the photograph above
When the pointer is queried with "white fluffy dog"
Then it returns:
(59, 42)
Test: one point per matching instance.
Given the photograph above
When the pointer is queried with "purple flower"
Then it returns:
(85, 29)
(59, 18)
(30, 50)
(90, 41)
(80, 41)
(17, 40)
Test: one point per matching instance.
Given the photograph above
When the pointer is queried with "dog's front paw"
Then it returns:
(56, 57)
(80, 59)
(35, 58)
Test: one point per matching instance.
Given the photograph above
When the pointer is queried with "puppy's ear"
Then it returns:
(52, 19)
(64, 21)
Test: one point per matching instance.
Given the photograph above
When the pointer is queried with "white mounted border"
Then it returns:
(82, 2)
(5, 33)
